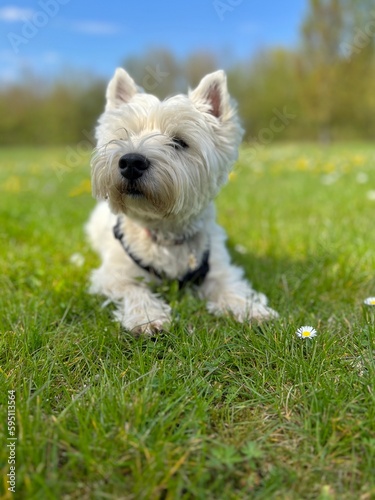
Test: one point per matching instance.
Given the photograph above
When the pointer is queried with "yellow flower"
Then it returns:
(84, 187)
(302, 164)
(329, 167)
(358, 160)
(12, 184)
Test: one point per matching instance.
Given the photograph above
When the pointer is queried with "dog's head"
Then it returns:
(164, 159)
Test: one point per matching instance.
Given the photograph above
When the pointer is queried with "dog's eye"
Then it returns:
(178, 143)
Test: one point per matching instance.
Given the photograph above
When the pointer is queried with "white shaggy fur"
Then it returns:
(167, 215)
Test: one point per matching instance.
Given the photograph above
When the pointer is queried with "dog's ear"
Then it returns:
(120, 89)
(211, 95)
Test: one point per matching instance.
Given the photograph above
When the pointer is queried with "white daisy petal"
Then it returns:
(77, 259)
(370, 301)
(306, 332)
(241, 249)
(362, 178)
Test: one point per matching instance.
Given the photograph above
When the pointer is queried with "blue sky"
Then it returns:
(54, 36)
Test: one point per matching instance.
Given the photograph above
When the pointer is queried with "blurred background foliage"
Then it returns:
(327, 82)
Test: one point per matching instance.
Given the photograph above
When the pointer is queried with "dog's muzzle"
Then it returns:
(133, 165)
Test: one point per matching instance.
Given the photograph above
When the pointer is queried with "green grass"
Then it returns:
(209, 409)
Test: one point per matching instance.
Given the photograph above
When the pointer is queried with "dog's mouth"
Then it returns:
(133, 191)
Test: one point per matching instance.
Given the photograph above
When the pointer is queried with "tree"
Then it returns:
(335, 58)
(321, 35)
(264, 86)
(158, 72)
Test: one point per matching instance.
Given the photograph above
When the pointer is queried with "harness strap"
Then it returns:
(195, 276)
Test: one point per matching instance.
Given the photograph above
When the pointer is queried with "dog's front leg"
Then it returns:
(141, 311)
(138, 309)
(225, 289)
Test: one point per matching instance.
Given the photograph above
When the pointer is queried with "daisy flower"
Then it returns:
(77, 259)
(370, 301)
(306, 332)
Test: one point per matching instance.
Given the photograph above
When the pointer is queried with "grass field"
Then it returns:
(209, 409)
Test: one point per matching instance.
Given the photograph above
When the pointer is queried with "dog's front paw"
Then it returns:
(151, 327)
(142, 324)
(243, 309)
(257, 312)
(147, 317)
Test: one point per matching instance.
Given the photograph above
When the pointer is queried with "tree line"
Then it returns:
(321, 90)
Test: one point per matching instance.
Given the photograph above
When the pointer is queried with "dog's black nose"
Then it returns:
(132, 166)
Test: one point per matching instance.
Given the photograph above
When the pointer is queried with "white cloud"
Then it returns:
(95, 28)
(13, 14)
(12, 68)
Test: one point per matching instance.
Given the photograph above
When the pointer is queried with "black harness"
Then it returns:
(195, 276)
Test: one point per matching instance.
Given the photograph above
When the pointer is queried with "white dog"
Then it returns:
(158, 166)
